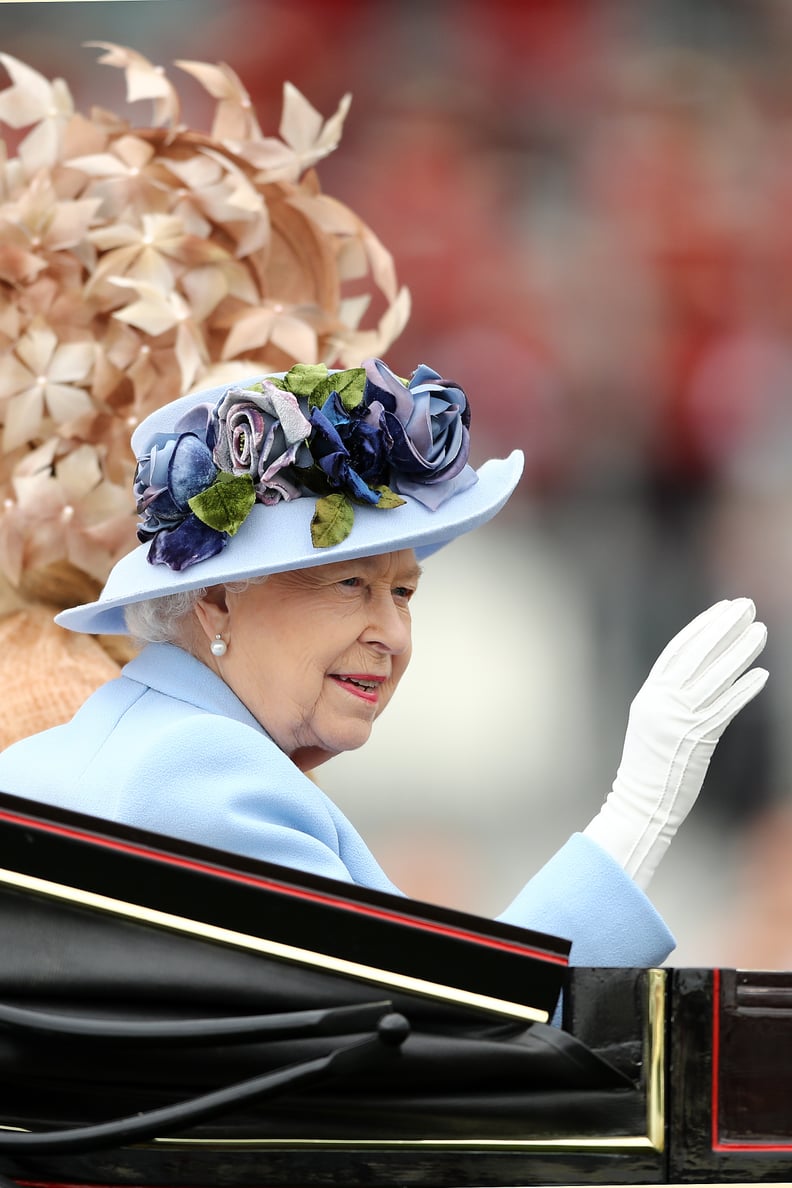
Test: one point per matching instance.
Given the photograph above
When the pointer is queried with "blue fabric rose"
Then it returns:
(427, 424)
(350, 452)
(174, 471)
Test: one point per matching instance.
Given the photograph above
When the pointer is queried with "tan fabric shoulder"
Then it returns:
(46, 673)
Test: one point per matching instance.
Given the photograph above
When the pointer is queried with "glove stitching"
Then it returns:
(653, 826)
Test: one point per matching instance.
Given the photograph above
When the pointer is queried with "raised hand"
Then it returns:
(696, 686)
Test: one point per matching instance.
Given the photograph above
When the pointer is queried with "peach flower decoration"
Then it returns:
(138, 263)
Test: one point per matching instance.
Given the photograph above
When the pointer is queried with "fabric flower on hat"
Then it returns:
(350, 453)
(427, 422)
(308, 432)
(260, 434)
(143, 260)
(174, 472)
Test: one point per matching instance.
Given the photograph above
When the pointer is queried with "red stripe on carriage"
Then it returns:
(297, 892)
(719, 1144)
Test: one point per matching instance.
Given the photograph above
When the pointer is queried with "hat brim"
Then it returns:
(277, 538)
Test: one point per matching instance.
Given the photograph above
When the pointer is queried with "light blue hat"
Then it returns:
(293, 470)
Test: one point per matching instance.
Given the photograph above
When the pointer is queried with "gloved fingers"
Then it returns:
(732, 700)
(685, 636)
(723, 666)
(712, 630)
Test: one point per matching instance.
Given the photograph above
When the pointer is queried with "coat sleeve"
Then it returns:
(582, 895)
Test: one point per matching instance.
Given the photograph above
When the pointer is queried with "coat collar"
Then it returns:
(175, 673)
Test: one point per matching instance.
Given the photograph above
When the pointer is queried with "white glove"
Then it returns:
(676, 719)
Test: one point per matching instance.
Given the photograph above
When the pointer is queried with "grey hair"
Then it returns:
(160, 620)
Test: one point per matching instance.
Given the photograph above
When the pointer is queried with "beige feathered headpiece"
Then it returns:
(139, 263)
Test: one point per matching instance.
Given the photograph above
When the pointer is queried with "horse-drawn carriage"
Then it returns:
(175, 1015)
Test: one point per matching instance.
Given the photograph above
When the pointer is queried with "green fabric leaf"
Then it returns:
(302, 379)
(277, 381)
(226, 504)
(332, 521)
(388, 498)
(349, 385)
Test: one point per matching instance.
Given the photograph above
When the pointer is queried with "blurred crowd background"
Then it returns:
(589, 201)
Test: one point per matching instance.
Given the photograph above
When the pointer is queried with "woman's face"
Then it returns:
(316, 654)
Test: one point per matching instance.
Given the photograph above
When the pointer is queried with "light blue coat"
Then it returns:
(169, 748)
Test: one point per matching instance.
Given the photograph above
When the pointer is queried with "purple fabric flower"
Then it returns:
(186, 543)
(427, 424)
(350, 452)
(260, 433)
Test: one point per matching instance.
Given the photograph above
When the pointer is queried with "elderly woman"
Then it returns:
(284, 526)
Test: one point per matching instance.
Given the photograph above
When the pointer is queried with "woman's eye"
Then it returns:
(352, 582)
(403, 593)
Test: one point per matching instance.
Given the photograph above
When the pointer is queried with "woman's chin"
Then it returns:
(307, 758)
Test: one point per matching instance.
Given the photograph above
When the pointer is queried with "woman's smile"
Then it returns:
(362, 685)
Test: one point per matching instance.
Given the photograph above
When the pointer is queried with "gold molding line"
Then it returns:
(240, 940)
(654, 1058)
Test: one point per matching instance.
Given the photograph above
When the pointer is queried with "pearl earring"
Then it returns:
(218, 646)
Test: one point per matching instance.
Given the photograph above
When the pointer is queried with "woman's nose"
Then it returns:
(389, 626)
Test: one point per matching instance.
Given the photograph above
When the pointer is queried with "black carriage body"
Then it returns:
(655, 1076)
